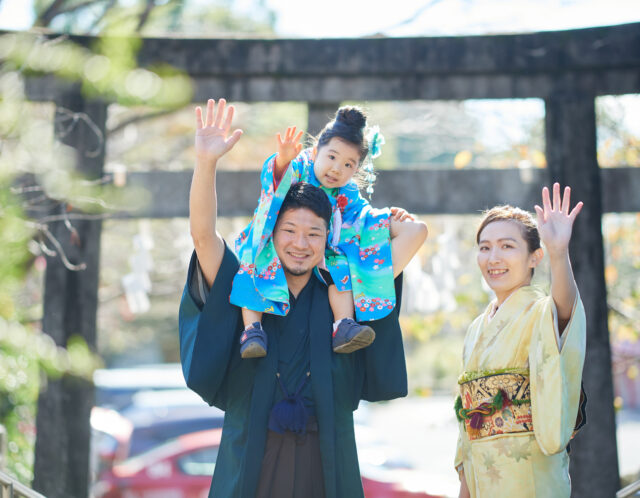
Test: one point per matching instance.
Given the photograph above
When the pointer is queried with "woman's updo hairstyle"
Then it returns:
(348, 124)
(526, 222)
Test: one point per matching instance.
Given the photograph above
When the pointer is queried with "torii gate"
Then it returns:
(568, 69)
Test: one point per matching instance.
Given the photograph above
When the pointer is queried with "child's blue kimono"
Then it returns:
(358, 254)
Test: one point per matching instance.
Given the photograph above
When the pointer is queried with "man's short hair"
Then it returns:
(305, 195)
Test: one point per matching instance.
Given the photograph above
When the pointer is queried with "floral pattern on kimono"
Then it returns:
(358, 253)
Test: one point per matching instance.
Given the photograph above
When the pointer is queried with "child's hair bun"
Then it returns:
(348, 124)
(352, 116)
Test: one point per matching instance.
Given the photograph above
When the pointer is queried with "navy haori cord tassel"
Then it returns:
(290, 414)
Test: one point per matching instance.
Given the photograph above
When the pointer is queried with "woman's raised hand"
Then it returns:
(211, 134)
(289, 146)
(555, 221)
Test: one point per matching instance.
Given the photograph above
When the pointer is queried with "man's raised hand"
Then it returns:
(211, 133)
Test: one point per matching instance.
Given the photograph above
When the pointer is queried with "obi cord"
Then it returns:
(475, 415)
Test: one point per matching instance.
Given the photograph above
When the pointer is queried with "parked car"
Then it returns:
(394, 483)
(181, 468)
(151, 418)
(385, 471)
(115, 387)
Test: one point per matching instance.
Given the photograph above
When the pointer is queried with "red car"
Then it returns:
(181, 468)
(151, 418)
(380, 489)
(384, 477)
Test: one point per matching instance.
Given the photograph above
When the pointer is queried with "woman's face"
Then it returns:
(504, 258)
(336, 162)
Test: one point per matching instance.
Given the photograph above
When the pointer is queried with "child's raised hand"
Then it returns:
(555, 222)
(289, 146)
(400, 214)
(211, 134)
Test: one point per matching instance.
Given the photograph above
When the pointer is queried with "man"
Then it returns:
(288, 429)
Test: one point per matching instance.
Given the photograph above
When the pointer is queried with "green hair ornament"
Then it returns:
(375, 140)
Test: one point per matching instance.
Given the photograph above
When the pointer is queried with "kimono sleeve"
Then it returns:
(290, 175)
(555, 374)
(462, 447)
(384, 362)
(271, 196)
(208, 331)
(266, 175)
(356, 203)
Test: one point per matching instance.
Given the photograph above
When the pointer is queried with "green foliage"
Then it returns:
(14, 235)
(189, 17)
(26, 354)
(108, 71)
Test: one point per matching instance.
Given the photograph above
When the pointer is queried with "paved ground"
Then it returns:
(424, 432)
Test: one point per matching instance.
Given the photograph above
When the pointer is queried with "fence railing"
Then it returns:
(10, 488)
(630, 490)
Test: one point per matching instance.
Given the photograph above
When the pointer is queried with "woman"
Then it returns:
(522, 358)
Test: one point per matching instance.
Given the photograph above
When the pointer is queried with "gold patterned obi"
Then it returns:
(494, 402)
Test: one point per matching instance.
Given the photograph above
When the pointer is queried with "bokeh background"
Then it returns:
(143, 262)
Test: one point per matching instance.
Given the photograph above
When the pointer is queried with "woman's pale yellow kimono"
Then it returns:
(523, 334)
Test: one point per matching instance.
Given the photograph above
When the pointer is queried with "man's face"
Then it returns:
(299, 238)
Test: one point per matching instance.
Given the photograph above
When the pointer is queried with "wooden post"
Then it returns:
(571, 154)
(70, 304)
(320, 113)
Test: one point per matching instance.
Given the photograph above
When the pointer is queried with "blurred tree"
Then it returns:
(618, 145)
(25, 352)
(38, 174)
(154, 17)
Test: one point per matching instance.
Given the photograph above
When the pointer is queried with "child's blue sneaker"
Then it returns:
(253, 342)
(351, 336)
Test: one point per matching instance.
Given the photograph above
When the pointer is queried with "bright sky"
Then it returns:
(355, 18)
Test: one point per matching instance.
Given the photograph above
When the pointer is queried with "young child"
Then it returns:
(362, 246)
(520, 394)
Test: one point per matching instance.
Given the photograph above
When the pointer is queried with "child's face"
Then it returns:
(336, 162)
(504, 258)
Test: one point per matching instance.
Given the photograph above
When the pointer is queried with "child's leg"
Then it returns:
(253, 341)
(348, 335)
(249, 317)
(406, 238)
(341, 303)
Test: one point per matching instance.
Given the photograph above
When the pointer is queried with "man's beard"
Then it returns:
(296, 272)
